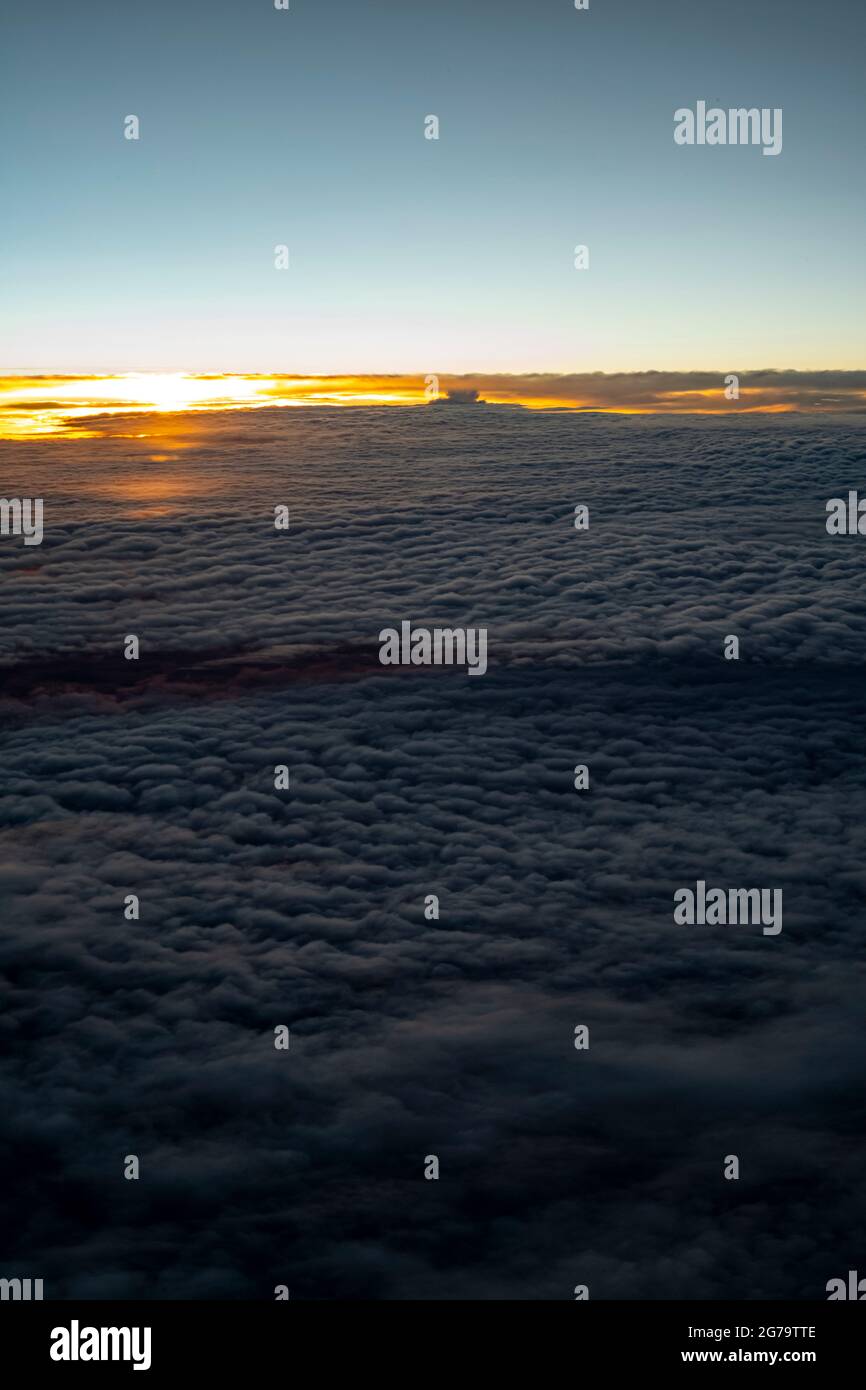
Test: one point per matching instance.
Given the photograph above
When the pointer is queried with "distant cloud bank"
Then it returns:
(33, 406)
(673, 392)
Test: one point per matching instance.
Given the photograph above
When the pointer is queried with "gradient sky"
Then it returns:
(261, 127)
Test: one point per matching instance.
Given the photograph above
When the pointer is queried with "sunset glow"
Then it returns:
(73, 406)
(82, 407)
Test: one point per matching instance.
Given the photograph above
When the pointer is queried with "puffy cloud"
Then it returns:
(412, 1037)
(456, 396)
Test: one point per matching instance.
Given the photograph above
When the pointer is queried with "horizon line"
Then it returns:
(37, 405)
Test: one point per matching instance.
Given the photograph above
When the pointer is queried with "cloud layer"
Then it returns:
(412, 1037)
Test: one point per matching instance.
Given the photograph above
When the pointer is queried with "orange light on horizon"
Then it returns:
(88, 407)
(39, 407)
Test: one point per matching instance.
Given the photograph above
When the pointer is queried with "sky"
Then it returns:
(305, 128)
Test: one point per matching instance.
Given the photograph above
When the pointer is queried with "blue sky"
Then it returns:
(306, 127)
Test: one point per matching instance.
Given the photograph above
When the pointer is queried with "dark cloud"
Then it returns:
(469, 396)
(306, 908)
